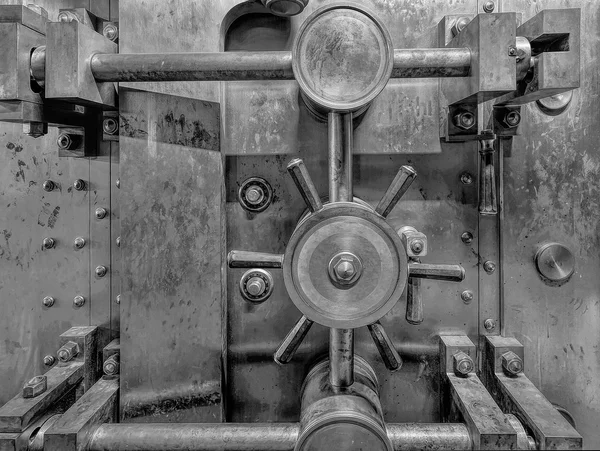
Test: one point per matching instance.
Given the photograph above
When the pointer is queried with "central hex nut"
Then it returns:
(345, 269)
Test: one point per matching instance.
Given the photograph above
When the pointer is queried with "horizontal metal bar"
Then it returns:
(427, 63)
(218, 66)
(196, 436)
(451, 273)
(248, 259)
(256, 436)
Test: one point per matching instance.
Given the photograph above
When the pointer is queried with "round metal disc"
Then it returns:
(342, 57)
(555, 262)
(345, 227)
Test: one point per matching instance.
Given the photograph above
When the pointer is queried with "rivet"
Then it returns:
(110, 32)
(101, 271)
(110, 126)
(466, 178)
(79, 242)
(78, 301)
(79, 185)
(48, 185)
(489, 6)
(48, 301)
(467, 237)
(100, 213)
(489, 324)
(48, 243)
(467, 296)
(489, 267)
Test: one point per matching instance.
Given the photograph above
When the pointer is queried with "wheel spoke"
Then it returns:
(404, 178)
(292, 341)
(305, 185)
(386, 347)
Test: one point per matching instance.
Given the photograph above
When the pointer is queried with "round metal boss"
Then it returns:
(255, 194)
(345, 228)
(342, 57)
(555, 262)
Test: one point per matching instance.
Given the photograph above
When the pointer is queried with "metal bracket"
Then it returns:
(464, 398)
(516, 394)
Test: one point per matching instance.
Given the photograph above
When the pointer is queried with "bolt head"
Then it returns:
(344, 270)
(100, 213)
(35, 129)
(467, 237)
(255, 195)
(464, 120)
(48, 301)
(64, 141)
(489, 267)
(101, 271)
(49, 360)
(79, 242)
(489, 6)
(466, 178)
(110, 31)
(467, 296)
(459, 25)
(48, 243)
(78, 301)
(110, 126)
(489, 324)
(417, 246)
(48, 185)
(463, 364)
(512, 119)
(67, 351)
(512, 363)
(79, 185)
(256, 286)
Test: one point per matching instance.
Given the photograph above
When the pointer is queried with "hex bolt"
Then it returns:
(417, 246)
(118, 299)
(35, 129)
(78, 301)
(489, 6)
(512, 364)
(464, 120)
(79, 242)
(459, 25)
(489, 267)
(345, 268)
(512, 119)
(111, 365)
(101, 271)
(64, 141)
(79, 185)
(467, 296)
(48, 243)
(489, 324)
(118, 241)
(48, 185)
(49, 360)
(35, 387)
(68, 16)
(466, 178)
(463, 364)
(110, 31)
(101, 213)
(110, 126)
(48, 301)
(68, 351)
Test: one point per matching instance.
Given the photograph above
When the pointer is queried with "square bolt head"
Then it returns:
(35, 387)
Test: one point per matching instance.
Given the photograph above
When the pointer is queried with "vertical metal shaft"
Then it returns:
(340, 157)
(341, 357)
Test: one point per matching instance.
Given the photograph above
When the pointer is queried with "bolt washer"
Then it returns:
(345, 227)
(266, 277)
(260, 183)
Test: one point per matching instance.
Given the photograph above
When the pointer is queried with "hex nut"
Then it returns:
(35, 129)
(459, 25)
(64, 141)
(111, 365)
(110, 31)
(68, 351)
(465, 120)
(463, 364)
(35, 387)
(512, 119)
(110, 126)
(512, 364)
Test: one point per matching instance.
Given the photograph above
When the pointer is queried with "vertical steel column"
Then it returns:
(341, 341)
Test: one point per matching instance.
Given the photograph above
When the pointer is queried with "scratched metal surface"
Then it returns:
(552, 193)
(172, 244)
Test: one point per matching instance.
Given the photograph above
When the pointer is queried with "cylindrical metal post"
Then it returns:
(197, 437)
(433, 436)
(340, 157)
(218, 66)
(425, 63)
(341, 357)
